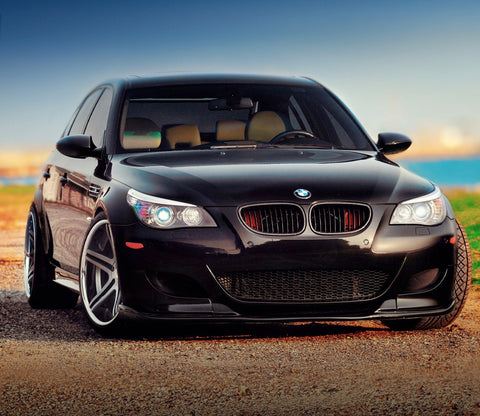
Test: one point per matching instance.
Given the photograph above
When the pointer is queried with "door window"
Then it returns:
(98, 120)
(78, 126)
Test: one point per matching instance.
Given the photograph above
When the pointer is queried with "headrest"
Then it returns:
(264, 126)
(184, 134)
(140, 133)
(230, 130)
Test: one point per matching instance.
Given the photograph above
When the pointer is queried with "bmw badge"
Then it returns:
(302, 193)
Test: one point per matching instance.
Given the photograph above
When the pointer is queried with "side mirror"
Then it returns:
(78, 146)
(391, 143)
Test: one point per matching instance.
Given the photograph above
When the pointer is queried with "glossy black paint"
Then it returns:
(391, 143)
(174, 275)
(79, 146)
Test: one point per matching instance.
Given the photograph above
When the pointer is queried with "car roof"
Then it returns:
(135, 81)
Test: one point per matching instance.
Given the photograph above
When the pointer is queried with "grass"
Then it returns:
(467, 209)
(15, 202)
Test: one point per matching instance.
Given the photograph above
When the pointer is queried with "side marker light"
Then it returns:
(452, 241)
(134, 246)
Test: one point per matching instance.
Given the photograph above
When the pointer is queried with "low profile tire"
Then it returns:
(38, 273)
(463, 277)
(99, 283)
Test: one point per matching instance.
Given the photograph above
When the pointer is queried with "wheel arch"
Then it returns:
(42, 222)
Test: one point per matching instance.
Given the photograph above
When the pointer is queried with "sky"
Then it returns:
(412, 66)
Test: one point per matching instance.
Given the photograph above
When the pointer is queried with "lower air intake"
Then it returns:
(305, 285)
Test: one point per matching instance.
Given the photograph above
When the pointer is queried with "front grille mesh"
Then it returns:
(274, 218)
(304, 285)
(339, 218)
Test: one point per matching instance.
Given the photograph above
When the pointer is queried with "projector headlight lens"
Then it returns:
(163, 216)
(167, 214)
(426, 210)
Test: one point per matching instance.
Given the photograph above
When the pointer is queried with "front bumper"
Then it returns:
(175, 276)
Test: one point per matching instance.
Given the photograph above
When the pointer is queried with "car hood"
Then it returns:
(234, 177)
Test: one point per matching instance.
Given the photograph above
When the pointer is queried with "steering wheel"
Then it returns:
(292, 134)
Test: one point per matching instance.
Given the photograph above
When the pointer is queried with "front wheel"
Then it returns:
(463, 277)
(99, 284)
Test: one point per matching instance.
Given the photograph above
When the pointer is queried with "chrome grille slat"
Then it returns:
(274, 218)
(339, 218)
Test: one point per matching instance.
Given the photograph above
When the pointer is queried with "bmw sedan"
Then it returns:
(238, 198)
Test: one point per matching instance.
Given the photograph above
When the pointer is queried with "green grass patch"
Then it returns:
(15, 190)
(467, 209)
(14, 204)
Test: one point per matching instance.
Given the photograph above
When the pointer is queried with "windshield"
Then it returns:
(236, 115)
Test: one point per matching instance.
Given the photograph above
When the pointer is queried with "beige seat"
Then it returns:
(184, 135)
(141, 133)
(264, 126)
(230, 130)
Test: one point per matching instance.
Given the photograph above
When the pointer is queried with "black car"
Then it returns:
(238, 198)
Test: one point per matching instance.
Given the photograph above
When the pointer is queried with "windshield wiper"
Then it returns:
(303, 146)
(234, 146)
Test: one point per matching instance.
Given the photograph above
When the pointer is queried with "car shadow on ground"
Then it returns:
(19, 321)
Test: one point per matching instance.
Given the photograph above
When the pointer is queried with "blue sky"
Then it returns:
(400, 66)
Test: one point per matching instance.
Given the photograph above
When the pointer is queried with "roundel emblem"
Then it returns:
(302, 193)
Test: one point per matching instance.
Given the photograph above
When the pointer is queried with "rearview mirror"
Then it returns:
(391, 143)
(231, 103)
(78, 146)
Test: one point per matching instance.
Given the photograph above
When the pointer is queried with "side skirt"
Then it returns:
(67, 279)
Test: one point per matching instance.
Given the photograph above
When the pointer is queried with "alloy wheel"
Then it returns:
(29, 259)
(99, 284)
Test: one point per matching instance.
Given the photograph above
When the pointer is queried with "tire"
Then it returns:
(463, 277)
(38, 273)
(99, 283)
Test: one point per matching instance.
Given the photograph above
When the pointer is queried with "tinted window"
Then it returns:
(194, 112)
(70, 122)
(98, 121)
(78, 126)
(198, 116)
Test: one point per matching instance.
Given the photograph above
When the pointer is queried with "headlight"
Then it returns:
(165, 213)
(426, 210)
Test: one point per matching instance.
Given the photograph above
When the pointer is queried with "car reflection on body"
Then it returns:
(238, 198)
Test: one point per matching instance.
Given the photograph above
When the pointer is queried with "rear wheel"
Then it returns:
(463, 276)
(41, 290)
(99, 283)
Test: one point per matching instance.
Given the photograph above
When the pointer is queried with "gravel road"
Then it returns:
(53, 363)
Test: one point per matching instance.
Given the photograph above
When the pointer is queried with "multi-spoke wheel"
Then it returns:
(38, 273)
(99, 284)
(29, 262)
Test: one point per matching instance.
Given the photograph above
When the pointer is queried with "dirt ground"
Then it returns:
(53, 363)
